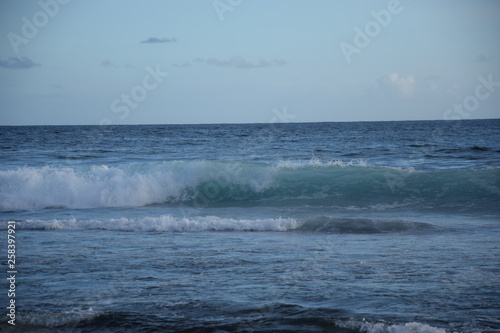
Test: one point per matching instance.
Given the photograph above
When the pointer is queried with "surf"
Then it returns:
(208, 183)
(170, 223)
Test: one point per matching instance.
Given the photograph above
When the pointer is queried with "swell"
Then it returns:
(169, 223)
(206, 183)
(325, 224)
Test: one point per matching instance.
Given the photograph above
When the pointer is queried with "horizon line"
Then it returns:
(256, 123)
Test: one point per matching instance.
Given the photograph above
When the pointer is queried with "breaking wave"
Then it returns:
(382, 327)
(206, 183)
(168, 223)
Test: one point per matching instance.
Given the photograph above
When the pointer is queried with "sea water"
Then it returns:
(314, 227)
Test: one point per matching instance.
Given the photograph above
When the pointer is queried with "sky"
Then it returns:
(75, 62)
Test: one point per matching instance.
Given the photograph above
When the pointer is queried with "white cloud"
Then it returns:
(395, 84)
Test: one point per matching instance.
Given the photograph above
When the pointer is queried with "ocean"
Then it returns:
(280, 227)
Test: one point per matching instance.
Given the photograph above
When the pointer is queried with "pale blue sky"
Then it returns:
(90, 62)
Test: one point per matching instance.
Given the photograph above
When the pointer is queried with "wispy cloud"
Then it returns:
(432, 78)
(18, 63)
(107, 63)
(240, 62)
(184, 64)
(110, 64)
(483, 58)
(156, 40)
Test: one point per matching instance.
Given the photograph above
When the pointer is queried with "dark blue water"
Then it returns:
(335, 227)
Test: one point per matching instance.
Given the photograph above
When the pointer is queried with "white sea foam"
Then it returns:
(166, 223)
(368, 327)
(316, 162)
(55, 319)
(131, 185)
(36, 188)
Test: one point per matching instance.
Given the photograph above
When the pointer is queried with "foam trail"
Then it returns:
(165, 223)
(55, 319)
(169, 223)
(368, 327)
